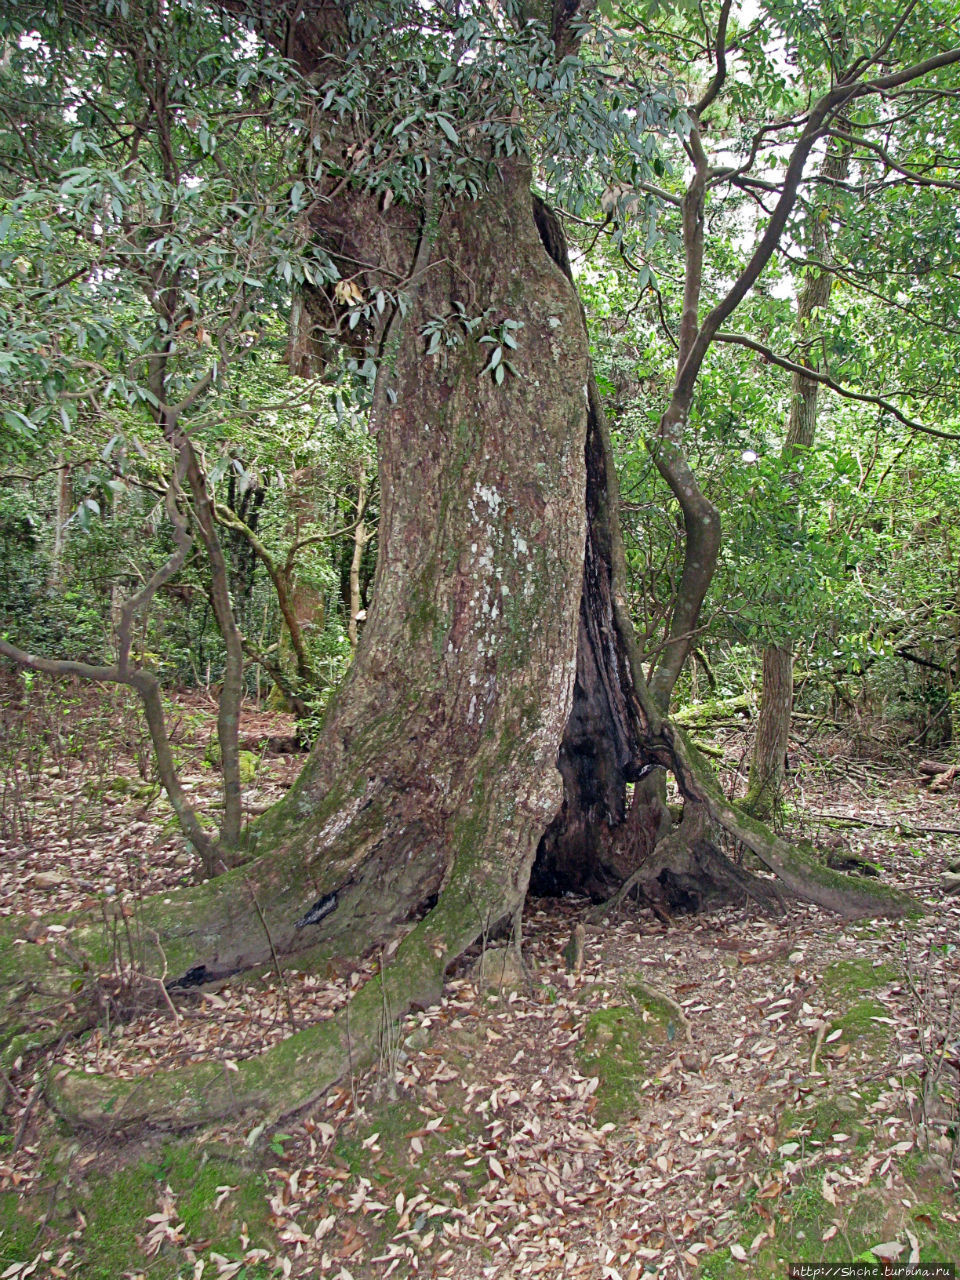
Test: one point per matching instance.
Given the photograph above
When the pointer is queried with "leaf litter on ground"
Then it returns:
(508, 1167)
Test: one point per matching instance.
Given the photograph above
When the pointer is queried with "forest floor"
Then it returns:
(715, 1096)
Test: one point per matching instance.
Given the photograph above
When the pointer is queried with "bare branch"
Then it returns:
(917, 179)
(837, 98)
(130, 608)
(148, 687)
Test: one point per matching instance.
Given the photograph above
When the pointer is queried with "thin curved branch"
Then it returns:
(314, 538)
(720, 47)
(741, 340)
(826, 107)
(916, 179)
(130, 608)
(280, 577)
(147, 686)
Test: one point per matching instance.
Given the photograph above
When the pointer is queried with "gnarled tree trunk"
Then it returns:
(419, 811)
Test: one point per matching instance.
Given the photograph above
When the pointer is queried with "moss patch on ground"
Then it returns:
(863, 1028)
(794, 1226)
(849, 979)
(616, 1048)
(863, 1020)
(816, 1126)
(117, 1206)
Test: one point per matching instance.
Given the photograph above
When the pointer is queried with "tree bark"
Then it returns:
(768, 762)
(436, 762)
(359, 542)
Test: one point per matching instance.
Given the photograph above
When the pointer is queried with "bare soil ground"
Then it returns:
(715, 1096)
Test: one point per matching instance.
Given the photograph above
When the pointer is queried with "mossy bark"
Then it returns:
(295, 1072)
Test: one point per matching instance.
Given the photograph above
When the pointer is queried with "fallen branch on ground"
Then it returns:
(890, 826)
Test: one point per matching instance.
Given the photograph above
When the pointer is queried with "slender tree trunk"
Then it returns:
(768, 762)
(359, 542)
(701, 519)
(301, 605)
(231, 692)
(64, 503)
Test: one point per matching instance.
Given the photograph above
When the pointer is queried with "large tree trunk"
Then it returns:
(597, 839)
(437, 761)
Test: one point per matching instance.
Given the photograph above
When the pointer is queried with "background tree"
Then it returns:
(776, 706)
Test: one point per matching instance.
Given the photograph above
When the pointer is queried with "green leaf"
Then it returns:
(18, 421)
(405, 124)
(448, 129)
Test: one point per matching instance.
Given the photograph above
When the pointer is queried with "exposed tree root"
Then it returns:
(283, 1080)
(687, 872)
(802, 875)
(291, 1075)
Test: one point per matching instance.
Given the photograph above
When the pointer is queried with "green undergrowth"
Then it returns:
(617, 1045)
(103, 1217)
(18, 1230)
(862, 1020)
(814, 1126)
(847, 979)
(861, 1026)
